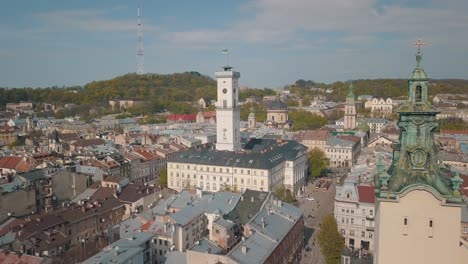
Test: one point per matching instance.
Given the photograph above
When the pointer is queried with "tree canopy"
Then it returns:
(259, 110)
(330, 240)
(284, 194)
(163, 177)
(318, 162)
(303, 120)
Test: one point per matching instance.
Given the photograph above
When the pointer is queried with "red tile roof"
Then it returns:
(147, 155)
(9, 162)
(209, 114)
(182, 117)
(366, 194)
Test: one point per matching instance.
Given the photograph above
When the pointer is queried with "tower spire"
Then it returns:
(140, 69)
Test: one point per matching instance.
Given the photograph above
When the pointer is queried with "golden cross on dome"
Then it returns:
(419, 43)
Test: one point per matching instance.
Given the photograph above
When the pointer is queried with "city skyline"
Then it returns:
(272, 42)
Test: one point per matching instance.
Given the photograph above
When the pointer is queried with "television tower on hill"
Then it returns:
(140, 69)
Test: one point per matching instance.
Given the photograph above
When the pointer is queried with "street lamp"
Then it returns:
(83, 249)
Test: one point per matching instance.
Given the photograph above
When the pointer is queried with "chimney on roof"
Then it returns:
(116, 250)
(263, 222)
(252, 199)
(244, 249)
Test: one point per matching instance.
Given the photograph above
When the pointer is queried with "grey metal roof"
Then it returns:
(122, 250)
(217, 203)
(272, 153)
(334, 141)
(258, 248)
(276, 105)
(206, 246)
(270, 226)
(247, 208)
(228, 224)
(175, 257)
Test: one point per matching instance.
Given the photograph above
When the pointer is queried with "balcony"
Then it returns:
(369, 228)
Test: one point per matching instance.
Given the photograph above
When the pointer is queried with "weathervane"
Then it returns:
(418, 44)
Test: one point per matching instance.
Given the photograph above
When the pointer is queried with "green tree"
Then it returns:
(163, 177)
(330, 240)
(258, 109)
(318, 162)
(284, 194)
(303, 120)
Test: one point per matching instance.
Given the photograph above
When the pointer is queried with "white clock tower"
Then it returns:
(228, 110)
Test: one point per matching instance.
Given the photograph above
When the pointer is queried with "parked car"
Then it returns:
(310, 199)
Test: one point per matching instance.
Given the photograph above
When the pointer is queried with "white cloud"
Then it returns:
(279, 21)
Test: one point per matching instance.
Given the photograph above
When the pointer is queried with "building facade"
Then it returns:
(354, 213)
(380, 107)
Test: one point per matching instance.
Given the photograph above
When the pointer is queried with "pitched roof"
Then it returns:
(257, 153)
(318, 134)
(132, 193)
(366, 194)
(9, 162)
(182, 117)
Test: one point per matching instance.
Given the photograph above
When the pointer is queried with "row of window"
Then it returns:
(222, 170)
(339, 150)
(214, 178)
(351, 233)
(371, 212)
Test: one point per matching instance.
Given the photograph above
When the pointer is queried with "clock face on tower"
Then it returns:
(224, 90)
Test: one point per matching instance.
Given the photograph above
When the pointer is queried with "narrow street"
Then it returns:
(314, 211)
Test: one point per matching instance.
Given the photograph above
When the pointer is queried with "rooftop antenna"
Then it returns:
(140, 69)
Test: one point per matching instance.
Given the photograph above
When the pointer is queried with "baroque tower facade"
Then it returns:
(350, 110)
(228, 110)
(418, 202)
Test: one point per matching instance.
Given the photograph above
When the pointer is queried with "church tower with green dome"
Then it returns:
(350, 110)
(418, 201)
(415, 158)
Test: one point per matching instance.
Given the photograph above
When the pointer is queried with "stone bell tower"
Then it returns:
(228, 110)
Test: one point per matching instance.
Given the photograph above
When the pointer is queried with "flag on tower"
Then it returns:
(225, 51)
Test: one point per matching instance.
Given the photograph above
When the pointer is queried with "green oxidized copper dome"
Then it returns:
(418, 72)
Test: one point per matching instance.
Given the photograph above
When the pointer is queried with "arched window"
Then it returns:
(418, 94)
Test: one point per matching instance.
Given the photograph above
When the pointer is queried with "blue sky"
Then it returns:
(271, 42)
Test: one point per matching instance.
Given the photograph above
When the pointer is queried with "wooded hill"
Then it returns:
(163, 91)
(393, 88)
